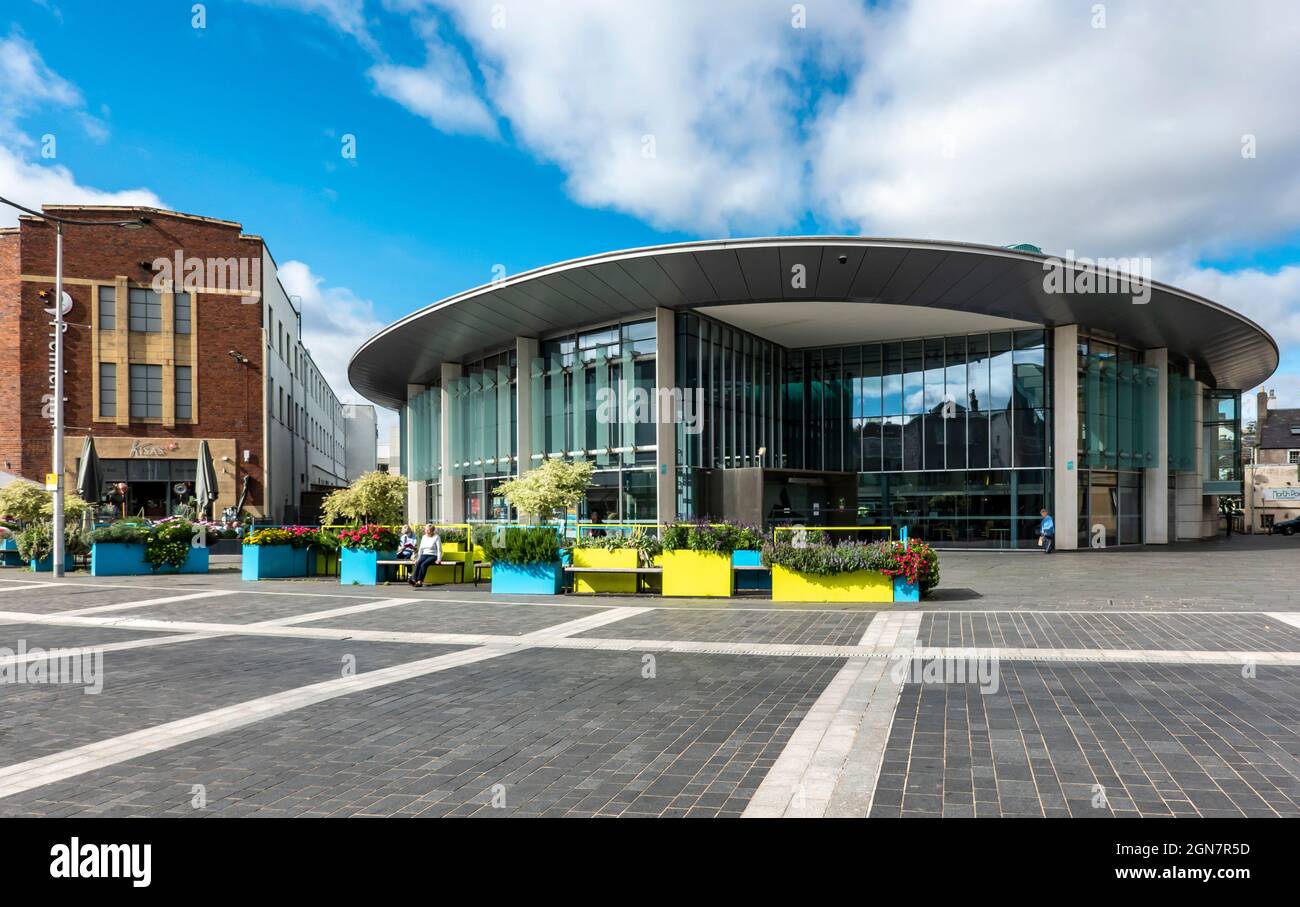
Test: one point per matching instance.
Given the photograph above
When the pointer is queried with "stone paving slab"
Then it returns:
(48, 637)
(145, 687)
(239, 608)
(50, 599)
(833, 628)
(1155, 740)
(496, 618)
(564, 733)
(1038, 630)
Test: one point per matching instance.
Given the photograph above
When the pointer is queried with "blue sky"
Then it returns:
(515, 134)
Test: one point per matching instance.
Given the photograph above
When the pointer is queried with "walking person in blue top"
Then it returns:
(1047, 532)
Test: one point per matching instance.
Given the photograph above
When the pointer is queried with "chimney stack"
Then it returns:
(1261, 414)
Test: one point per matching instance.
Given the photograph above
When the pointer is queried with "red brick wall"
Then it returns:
(228, 395)
(10, 433)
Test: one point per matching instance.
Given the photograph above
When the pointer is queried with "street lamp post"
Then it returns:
(57, 465)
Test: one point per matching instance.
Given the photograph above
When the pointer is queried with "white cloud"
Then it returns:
(334, 321)
(1271, 300)
(33, 185)
(442, 90)
(348, 16)
(683, 114)
(1287, 387)
(1016, 121)
(28, 85)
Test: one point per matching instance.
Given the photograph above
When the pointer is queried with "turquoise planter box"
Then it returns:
(750, 579)
(358, 567)
(9, 555)
(46, 564)
(274, 562)
(905, 591)
(527, 579)
(127, 559)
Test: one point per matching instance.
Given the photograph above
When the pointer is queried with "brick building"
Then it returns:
(1273, 466)
(178, 332)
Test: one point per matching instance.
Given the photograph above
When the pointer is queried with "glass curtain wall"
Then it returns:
(1222, 437)
(593, 397)
(1119, 423)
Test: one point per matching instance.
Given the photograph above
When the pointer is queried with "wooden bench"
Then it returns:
(408, 563)
(751, 567)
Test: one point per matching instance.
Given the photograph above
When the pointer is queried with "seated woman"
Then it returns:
(406, 545)
(429, 553)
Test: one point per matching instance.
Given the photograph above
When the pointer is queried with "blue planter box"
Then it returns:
(46, 564)
(274, 561)
(905, 591)
(527, 579)
(750, 579)
(127, 559)
(358, 567)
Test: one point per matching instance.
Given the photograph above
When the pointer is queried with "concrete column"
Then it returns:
(1155, 479)
(416, 496)
(453, 492)
(1188, 510)
(665, 416)
(525, 352)
(1065, 435)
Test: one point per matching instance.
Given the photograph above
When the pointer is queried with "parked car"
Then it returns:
(1288, 527)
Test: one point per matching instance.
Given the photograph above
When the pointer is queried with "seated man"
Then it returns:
(428, 554)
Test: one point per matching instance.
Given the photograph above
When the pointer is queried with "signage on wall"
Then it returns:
(47, 400)
(143, 449)
(1282, 494)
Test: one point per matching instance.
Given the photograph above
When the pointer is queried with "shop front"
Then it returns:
(153, 477)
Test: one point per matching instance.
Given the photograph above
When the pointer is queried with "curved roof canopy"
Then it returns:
(946, 286)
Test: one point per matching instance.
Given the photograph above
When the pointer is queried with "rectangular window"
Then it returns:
(107, 389)
(146, 392)
(184, 392)
(181, 312)
(145, 307)
(1293, 456)
(108, 308)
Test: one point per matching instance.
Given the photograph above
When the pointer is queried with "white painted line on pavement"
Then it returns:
(23, 776)
(850, 720)
(144, 603)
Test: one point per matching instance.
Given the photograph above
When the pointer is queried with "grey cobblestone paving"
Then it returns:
(564, 733)
(456, 617)
(1161, 740)
(145, 687)
(73, 597)
(835, 628)
(244, 608)
(47, 637)
(1204, 632)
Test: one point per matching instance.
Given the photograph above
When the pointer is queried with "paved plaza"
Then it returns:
(1126, 683)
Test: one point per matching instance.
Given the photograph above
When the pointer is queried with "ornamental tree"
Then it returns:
(375, 497)
(556, 485)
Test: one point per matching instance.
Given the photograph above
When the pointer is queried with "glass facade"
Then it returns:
(949, 436)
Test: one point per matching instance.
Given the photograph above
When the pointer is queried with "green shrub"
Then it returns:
(720, 538)
(915, 561)
(646, 543)
(166, 543)
(532, 545)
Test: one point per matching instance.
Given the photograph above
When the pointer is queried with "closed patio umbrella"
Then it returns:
(205, 481)
(90, 479)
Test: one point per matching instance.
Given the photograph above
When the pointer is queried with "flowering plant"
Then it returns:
(913, 560)
(297, 536)
(370, 537)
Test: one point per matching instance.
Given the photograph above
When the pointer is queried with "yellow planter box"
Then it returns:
(626, 558)
(699, 574)
(859, 586)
